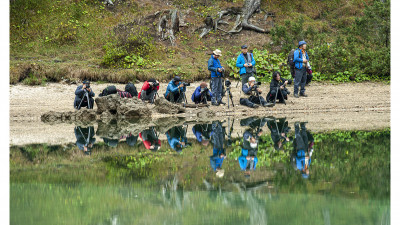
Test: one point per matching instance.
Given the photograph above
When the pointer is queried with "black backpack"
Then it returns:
(108, 91)
(290, 59)
(131, 89)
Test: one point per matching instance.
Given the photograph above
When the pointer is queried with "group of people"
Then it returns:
(215, 134)
(176, 89)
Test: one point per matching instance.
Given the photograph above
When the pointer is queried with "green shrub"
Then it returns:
(129, 50)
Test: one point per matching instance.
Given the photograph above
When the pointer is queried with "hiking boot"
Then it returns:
(303, 95)
(288, 92)
(267, 104)
(254, 106)
(296, 95)
(215, 104)
(221, 102)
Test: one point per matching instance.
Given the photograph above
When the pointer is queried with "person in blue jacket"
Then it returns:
(300, 60)
(80, 94)
(302, 149)
(248, 159)
(176, 138)
(175, 90)
(246, 64)
(202, 132)
(202, 94)
(214, 66)
(218, 156)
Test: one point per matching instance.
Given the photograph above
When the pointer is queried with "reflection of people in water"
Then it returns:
(111, 142)
(248, 159)
(218, 136)
(150, 139)
(202, 133)
(177, 138)
(85, 138)
(279, 130)
(302, 149)
(131, 140)
(254, 122)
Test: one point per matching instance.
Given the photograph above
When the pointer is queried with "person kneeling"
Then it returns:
(254, 91)
(202, 94)
(84, 96)
(149, 90)
(175, 90)
(278, 87)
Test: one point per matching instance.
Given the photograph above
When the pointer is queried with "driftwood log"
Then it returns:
(242, 19)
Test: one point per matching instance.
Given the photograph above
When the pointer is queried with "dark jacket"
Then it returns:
(79, 93)
(84, 136)
(275, 84)
(213, 65)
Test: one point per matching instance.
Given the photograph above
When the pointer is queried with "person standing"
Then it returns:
(246, 63)
(300, 60)
(214, 66)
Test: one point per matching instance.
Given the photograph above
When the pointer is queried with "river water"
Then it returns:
(233, 171)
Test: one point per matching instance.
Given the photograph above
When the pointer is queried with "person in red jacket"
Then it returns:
(150, 139)
(149, 90)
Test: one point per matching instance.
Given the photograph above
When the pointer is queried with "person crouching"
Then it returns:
(202, 94)
(278, 87)
(84, 96)
(254, 91)
(175, 90)
(149, 90)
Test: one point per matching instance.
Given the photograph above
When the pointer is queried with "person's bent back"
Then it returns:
(202, 94)
(84, 96)
(149, 90)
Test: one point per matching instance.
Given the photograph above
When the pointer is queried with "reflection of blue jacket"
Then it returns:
(197, 94)
(215, 160)
(243, 161)
(173, 141)
(213, 65)
(241, 61)
(173, 88)
(298, 59)
(301, 160)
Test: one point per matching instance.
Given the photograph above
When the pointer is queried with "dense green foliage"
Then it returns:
(358, 51)
(74, 40)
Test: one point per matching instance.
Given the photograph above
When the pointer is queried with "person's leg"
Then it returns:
(246, 102)
(245, 78)
(91, 100)
(303, 81)
(297, 81)
(214, 87)
(219, 90)
(298, 137)
(76, 102)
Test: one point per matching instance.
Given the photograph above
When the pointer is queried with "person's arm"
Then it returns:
(145, 86)
(246, 89)
(91, 93)
(197, 93)
(296, 57)
(79, 91)
(171, 88)
(240, 62)
(211, 65)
